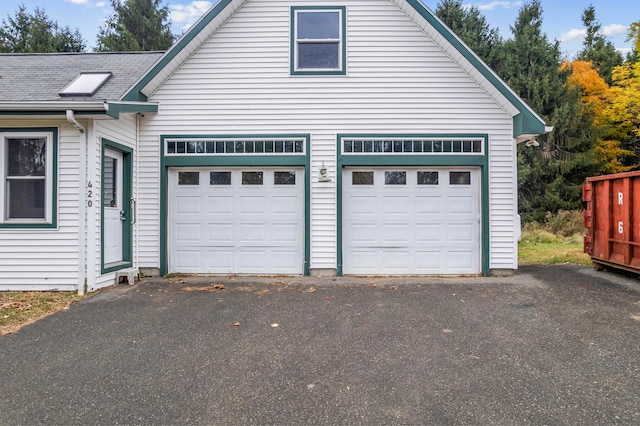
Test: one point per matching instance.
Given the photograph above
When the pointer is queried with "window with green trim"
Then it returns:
(27, 174)
(318, 44)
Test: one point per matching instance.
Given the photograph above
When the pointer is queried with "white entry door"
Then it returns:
(236, 220)
(414, 221)
(113, 207)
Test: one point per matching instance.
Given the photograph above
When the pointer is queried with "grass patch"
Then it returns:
(18, 309)
(559, 239)
(545, 248)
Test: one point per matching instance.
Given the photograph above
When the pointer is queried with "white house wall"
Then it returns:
(398, 81)
(46, 259)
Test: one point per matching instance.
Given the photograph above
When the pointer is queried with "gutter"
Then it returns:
(82, 206)
(53, 106)
(111, 109)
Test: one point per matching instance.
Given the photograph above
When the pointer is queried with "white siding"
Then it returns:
(46, 259)
(398, 81)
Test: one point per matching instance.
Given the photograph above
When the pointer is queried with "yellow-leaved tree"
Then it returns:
(597, 98)
(622, 112)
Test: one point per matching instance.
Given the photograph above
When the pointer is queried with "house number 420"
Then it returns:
(89, 194)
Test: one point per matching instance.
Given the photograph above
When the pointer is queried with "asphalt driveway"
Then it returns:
(551, 345)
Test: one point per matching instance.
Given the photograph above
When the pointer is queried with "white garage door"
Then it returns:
(236, 220)
(411, 221)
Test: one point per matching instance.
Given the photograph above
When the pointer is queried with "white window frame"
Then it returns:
(49, 176)
(340, 41)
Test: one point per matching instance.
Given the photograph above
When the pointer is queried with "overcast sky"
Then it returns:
(561, 19)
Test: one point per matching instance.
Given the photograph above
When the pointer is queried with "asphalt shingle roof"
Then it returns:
(41, 76)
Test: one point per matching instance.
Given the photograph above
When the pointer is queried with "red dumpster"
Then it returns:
(612, 219)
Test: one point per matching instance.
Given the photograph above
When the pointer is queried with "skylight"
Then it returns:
(86, 84)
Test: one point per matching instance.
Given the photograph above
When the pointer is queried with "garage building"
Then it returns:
(280, 137)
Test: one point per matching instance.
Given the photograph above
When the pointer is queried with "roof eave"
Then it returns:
(110, 108)
(114, 109)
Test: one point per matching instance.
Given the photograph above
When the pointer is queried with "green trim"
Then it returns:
(524, 123)
(134, 94)
(307, 208)
(127, 191)
(292, 37)
(378, 159)
(238, 160)
(54, 177)
(114, 109)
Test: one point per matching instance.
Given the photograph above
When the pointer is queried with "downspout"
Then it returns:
(82, 206)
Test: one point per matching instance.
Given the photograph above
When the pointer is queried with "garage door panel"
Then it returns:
(284, 205)
(397, 261)
(462, 260)
(363, 205)
(461, 205)
(413, 228)
(397, 233)
(253, 233)
(220, 233)
(428, 205)
(286, 260)
(396, 205)
(428, 261)
(284, 233)
(189, 232)
(189, 260)
(220, 205)
(255, 228)
(363, 233)
(253, 206)
(189, 205)
(252, 260)
(220, 261)
(366, 259)
(428, 233)
(460, 232)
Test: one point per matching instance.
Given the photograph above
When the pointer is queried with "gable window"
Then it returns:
(27, 160)
(317, 40)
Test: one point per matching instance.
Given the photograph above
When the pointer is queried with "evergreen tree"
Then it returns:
(550, 176)
(597, 49)
(36, 33)
(136, 25)
(472, 27)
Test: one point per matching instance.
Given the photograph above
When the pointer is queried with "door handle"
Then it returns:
(134, 208)
(123, 215)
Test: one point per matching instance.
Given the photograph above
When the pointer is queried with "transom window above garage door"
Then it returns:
(412, 146)
(219, 146)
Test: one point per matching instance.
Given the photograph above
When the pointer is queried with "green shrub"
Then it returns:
(540, 236)
(565, 223)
